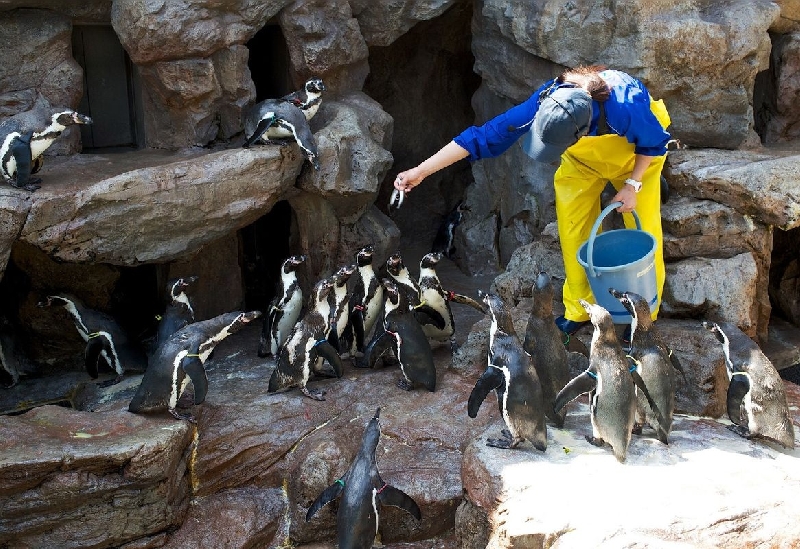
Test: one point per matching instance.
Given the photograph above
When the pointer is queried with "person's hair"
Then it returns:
(588, 77)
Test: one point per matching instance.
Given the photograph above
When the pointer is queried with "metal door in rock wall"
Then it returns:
(109, 96)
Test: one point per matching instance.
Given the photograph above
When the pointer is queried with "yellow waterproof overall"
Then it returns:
(585, 169)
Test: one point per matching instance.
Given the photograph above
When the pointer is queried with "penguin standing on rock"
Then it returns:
(362, 488)
(403, 335)
(543, 343)
(284, 309)
(365, 305)
(182, 358)
(179, 312)
(285, 119)
(25, 136)
(339, 301)
(106, 341)
(654, 362)
(756, 401)
(402, 277)
(511, 374)
(610, 386)
(443, 241)
(308, 341)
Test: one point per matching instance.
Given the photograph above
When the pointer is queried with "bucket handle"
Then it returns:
(596, 227)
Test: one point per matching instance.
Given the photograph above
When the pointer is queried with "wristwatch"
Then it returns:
(637, 185)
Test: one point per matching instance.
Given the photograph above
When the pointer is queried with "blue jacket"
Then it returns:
(627, 112)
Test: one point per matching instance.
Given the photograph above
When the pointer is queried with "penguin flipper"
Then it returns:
(378, 346)
(21, 150)
(737, 389)
(465, 300)
(395, 497)
(426, 314)
(197, 373)
(491, 379)
(329, 494)
(92, 354)
(676, 363)
(324, 349)
(263, 126)
(579, 385)
(357, 323)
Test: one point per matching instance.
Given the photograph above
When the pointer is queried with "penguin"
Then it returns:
(756, 398)
(653, 363)
(182, 358)
(402, 277)
(297, 358)
(106, 341)
(609, 384)
(365, 304)
(286, 118)
(443, 241)
(25, 136)
(362, 488)
(283, 310)
(179, 312)
(511, 373)
(403, 335)
(338, 301)
(543, 342)
(437, 298)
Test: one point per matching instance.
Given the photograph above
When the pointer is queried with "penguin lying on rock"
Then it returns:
(308, 341)
(757, 403)
(182, 358)
(25, 136)
(362, 488)
(284, 309)
(106, 342)
(286, 119)
(511, 374)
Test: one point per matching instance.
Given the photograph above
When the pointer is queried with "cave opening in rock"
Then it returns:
(111, 91)
(784, 275)
(264, 245)
(269, 63)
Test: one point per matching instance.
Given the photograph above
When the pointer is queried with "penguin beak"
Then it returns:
(615, 293)
(81, 119)
(377, 413)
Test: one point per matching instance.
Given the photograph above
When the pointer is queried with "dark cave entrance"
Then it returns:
(263, 246)
(111, 91)
(269, 63)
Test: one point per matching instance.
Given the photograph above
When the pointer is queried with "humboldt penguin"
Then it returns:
(612, 398)
(443, 241)
(339, 301)
(308, 341)
(25, 136)
(402, 334)
(365, 305)
(287, 118)
(402, 278)
(182, 358)
(361, 488)
(437, 298)
(654, 362)
(106, 341)
(510, 372)
(179, 312)
(543, 342)
(756, 399)
(283, 310)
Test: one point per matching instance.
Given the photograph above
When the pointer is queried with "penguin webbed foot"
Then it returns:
(187, 416)
(31, 186)
(637, 428)
(405, 384)
(453, 345)
(743, 432)
(315, 394)
(506, 442)
(110, 382)
(594, 441)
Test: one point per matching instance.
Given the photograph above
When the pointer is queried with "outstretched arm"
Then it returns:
(447, 155)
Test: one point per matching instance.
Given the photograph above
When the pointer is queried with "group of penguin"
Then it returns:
(339, 318)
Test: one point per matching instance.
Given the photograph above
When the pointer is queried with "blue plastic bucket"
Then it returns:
(623, 259)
